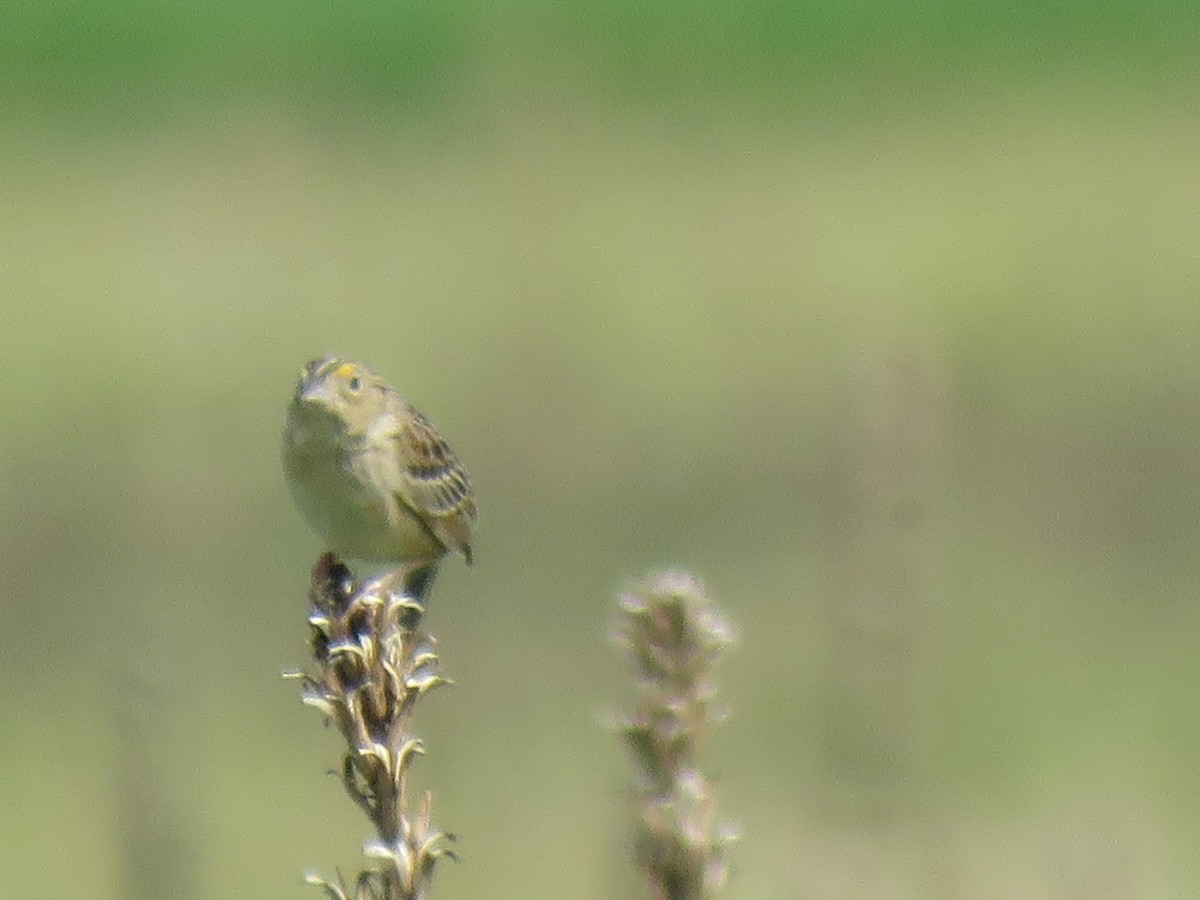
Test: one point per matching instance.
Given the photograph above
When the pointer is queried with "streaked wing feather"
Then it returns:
(434, 483)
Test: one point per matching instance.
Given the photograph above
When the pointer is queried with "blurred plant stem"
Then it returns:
(885, 471)
(372, 662)
(157, 847)
(673, 637)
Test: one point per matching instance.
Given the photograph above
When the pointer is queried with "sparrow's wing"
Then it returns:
(433, 483)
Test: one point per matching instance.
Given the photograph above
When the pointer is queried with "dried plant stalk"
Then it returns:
(372, 661)
(673, 637)
(886, 460)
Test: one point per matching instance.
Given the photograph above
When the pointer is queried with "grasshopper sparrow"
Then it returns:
(372, 476)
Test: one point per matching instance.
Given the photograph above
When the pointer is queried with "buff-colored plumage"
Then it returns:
(373, 476)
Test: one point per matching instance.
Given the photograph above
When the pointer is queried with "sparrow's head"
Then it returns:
(345, 396)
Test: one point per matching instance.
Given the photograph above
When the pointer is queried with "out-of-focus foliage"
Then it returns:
(147, 55)
(881, 317)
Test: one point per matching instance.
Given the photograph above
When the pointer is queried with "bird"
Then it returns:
(373, 477)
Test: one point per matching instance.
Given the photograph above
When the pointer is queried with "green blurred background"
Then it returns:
(882, 317)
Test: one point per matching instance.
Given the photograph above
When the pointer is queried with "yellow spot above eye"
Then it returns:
(346, 371)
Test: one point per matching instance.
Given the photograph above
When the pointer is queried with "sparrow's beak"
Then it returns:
(316, 393)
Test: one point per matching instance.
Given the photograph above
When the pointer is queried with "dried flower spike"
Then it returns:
(372, 661)
(673, 637)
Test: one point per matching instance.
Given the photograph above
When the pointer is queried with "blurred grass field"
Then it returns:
(882, 319)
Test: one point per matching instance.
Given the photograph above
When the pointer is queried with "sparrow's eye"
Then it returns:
(350, 377)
